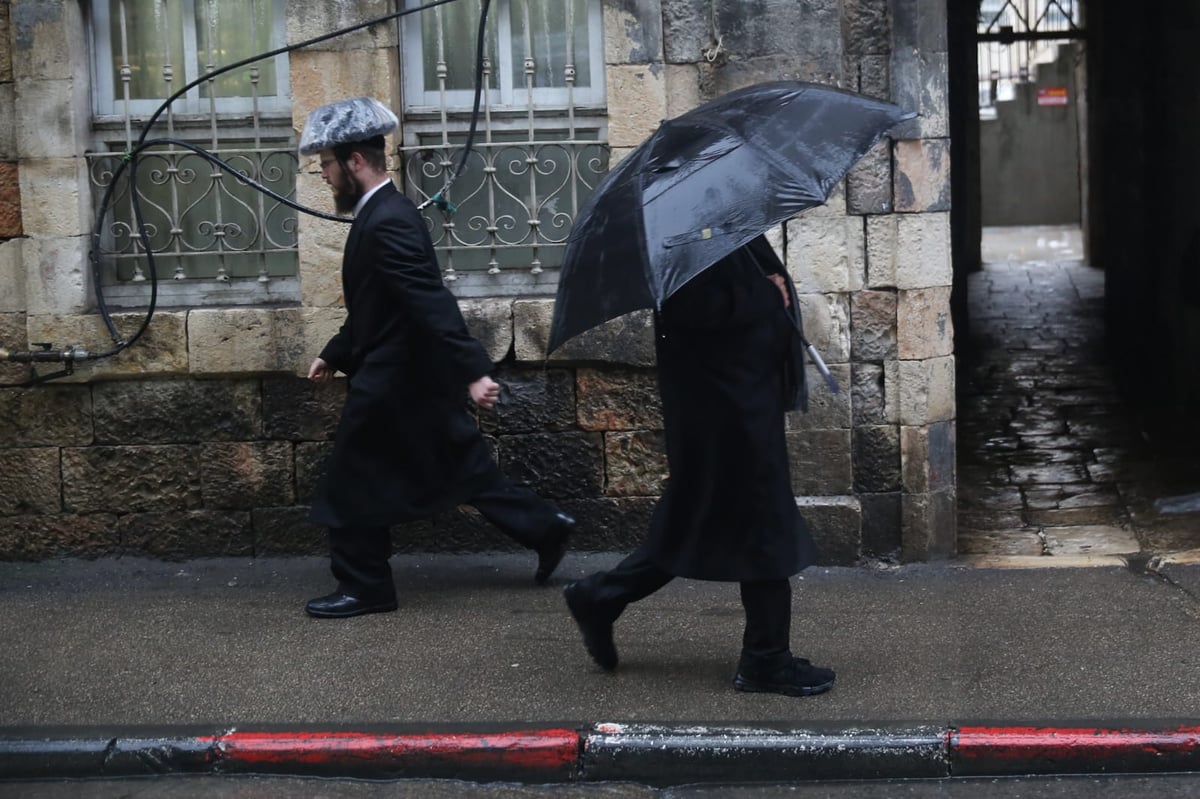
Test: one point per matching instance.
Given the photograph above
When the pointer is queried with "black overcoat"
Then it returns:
(726, 346)
(406, 446)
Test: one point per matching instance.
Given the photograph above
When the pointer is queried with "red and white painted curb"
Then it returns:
(651, 754)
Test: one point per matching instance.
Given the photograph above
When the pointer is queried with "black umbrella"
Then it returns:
(704, 184)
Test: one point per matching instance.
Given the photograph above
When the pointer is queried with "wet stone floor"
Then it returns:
(1053, 469)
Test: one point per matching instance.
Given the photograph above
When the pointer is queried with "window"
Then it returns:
(215, 238)
(146, 50)
(540, 146)
(534, 61)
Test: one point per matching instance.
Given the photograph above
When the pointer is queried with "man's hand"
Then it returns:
(485, 392)
(320, 372)
(778, 280)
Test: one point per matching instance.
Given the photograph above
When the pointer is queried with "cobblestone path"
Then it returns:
(1052, 468)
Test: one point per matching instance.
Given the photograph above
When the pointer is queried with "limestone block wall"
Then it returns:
(873, 467)
(203, 439)
(12, 272)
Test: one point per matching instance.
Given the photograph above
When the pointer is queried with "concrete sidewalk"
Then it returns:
(135, 666)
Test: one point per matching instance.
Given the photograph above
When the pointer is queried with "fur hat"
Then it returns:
(346, 121)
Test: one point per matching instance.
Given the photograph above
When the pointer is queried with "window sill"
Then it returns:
(205, 293)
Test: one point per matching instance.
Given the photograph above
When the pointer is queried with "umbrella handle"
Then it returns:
(821, 367)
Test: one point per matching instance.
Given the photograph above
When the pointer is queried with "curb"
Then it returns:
(1007, 751)
(649, 754)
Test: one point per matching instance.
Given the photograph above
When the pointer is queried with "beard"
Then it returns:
(346, 194)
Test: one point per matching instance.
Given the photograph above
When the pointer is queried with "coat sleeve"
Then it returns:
(795, 378)
(412, 278)
(337, 351)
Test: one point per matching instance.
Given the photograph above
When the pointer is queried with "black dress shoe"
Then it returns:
(597, 628)
(550, 552)
(342, 606)
(787, 675)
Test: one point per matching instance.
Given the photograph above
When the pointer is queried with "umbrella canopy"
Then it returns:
(704, 184)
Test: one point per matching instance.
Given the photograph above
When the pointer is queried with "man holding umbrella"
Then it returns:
(678, 226)
(724, 343)
(405, 447)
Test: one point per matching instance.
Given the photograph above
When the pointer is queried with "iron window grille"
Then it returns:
(541, 141)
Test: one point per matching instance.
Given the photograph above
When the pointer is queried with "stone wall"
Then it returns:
(183, 467)
(202, 439)
(12, 274)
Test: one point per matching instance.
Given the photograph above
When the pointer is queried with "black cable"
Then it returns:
(442, 198)
(480, 43)
(130, 158)
(286, 49)
(33, 381)
(139, 220)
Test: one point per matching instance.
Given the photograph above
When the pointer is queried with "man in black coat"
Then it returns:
(727, 350)
(406, 446)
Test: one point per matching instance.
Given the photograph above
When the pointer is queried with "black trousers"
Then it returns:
(359, 555)
(767, 603)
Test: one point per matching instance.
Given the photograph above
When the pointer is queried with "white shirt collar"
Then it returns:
(366, 196)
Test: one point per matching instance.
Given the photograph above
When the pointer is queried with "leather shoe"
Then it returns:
(554, 545)
(597, 628)
(342, 606)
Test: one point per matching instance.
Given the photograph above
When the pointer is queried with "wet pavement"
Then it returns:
(1168, 786)
(1053, 468)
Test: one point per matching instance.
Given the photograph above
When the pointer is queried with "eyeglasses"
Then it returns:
(325, 162)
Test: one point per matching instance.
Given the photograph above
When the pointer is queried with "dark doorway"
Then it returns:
(1018, 108)
(1055, 462)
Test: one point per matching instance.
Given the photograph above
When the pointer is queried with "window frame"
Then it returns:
(108, 105)
(115, 125)
(509, 96)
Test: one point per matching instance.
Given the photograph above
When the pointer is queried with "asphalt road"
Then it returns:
(1173, 786)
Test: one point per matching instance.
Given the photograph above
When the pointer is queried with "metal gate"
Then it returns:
(1013, 36)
